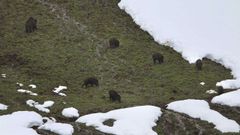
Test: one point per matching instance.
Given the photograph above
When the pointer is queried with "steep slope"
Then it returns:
(71, 44)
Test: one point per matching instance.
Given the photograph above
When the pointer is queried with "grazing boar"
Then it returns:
(91, 81)
(199, 64)
(31, 25)
(157, 57)
(114, 43)
(114, 96)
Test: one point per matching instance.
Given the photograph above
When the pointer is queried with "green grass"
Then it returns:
(63, 52)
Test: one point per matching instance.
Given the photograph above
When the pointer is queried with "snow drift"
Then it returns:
(20, 123)
(230, 98)
(128, 121)
(70, 112)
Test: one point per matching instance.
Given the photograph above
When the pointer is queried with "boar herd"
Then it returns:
(158, 58)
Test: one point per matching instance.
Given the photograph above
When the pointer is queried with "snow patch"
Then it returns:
(200, 109)
(19, 84)
(229, 84)
(58, 90)
(3, 107)
(3, 75)
(202, 83)
(70, 112)
(27, 92)
(33, 86)
(58, 128)
(230, 98)
(129, 121)
(41, 107)
(20, 123)
(211, 92)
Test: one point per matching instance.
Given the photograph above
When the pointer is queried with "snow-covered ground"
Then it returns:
(19, 84)
(3, 75)
(58, 128)
(196, 29)
(200, 109)
(129, 121)
(33, 86)
(27, 92)
(202, 83)
(231, 99)
(3, 107)
(20, 123)
(41, 107)
(58, 90)
(70, 112)
(211, 91)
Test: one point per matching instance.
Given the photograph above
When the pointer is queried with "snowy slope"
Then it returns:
(195, 28)
(200, 109)
(19, 123)
(128, 121)
(58, 128)
(231, 99)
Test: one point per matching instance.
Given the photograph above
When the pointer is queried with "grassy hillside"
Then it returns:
(71, 44)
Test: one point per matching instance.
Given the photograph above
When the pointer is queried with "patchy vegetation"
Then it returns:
(72, 44)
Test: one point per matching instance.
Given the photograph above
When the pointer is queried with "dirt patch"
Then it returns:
(12, 60)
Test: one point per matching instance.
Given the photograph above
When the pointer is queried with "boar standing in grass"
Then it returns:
(31, 25)
(90, 82)
(114, 43)
(157, 57)
(114, 96)
(199, 64)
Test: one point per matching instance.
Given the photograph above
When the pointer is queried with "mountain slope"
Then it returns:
(71, 44)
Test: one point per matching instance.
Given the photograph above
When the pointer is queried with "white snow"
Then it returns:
(230, 98)
(33, 86)
(211, 92)
(58, 90)
(129, 121)
(3, 107)
(202, 83)
(58, 128)
(19, 84)
(196, 29)
(200, 109)
(3, 75)
(27, 92)
(41, 107)
(62, 94)
(19, 123)
(70, 112)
